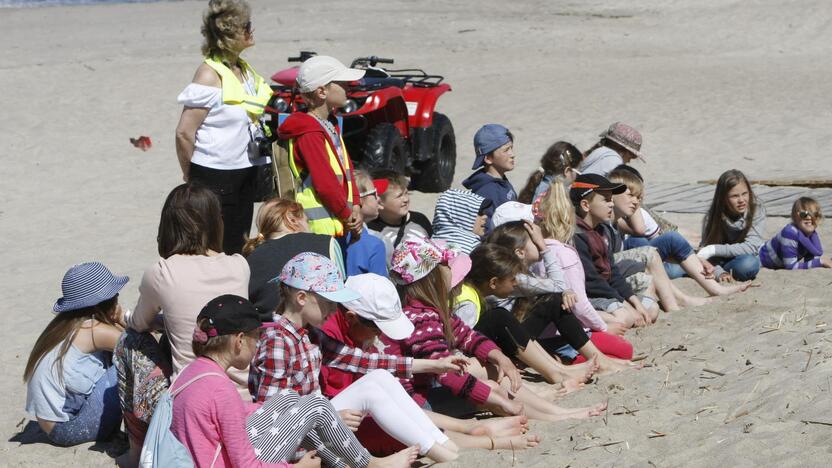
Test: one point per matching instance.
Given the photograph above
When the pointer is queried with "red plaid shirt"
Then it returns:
(287, 358)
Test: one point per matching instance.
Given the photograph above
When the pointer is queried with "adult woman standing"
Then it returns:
(219, 129)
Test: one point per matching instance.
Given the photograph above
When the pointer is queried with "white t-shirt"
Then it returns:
(651, 227)
(223, 141)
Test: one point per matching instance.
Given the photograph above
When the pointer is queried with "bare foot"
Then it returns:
(401, 459)
(502, 427)
(692, 301)
(611, 365)
(581, 372)
(588, 412)
(520, 442)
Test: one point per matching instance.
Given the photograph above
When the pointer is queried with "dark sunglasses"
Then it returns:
(803, 214)
(247, 27)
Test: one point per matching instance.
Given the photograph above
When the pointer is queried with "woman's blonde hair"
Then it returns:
(271, 219)
(222, 24)
(557, 214)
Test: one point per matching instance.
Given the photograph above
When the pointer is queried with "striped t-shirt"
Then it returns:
(790, 249)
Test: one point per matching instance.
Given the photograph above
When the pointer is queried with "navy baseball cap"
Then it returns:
(487, 139)
(586, 184)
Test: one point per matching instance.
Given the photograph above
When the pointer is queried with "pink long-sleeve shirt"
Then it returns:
(209, 412)
(573, 272)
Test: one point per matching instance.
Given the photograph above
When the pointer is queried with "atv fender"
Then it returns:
(421, 102)
(391, 103)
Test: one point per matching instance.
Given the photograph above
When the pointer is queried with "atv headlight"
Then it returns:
(281, 105)
(350, 107)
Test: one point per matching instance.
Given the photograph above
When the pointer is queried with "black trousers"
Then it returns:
(549, 309)
(236, 189)
(502, 327)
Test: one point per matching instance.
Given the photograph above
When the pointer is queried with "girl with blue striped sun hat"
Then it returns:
(71, 382)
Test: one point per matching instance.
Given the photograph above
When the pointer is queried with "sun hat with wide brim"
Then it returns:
(415, 257)
(626, 136)
(86, 285)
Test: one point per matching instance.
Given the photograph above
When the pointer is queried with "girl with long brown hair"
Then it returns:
(560, 160)
(71, 383)
(732, 231)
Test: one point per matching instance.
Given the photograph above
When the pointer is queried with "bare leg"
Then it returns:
(517, 442)
(494, 427)
(606, 364)
(401, 459)
(661, 284)
(693, 267)
(544, 410)
(553, 371)
(688, 301)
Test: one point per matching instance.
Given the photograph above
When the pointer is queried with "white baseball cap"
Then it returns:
(321, 70)
(512, 211)
(379, 302)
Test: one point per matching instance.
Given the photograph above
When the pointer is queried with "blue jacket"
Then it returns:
(498, 191)
(366, 255)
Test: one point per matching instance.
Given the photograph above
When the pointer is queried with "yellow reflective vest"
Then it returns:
(233, 92)
(321, 221)
(469, 294)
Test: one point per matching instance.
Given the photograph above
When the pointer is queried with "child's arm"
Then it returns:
(752, 243)
(312, 148)
(790, 251)
(634, 225)
(431, 344)
(350, 359)
(149, 305)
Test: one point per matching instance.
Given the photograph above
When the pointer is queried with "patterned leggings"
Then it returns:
(287, 421)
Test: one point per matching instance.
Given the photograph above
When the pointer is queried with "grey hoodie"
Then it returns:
(601, 161)
(754, 240)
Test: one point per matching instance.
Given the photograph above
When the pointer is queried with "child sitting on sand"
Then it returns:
(797, 246)
(732, 230)
(395, 219)
(367, 254)
(459, 219)
(560, 160)
(219, 430)
(494, 147)
(71, 385)
(619, 144)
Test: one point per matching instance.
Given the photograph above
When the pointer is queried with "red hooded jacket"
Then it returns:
(311, 156)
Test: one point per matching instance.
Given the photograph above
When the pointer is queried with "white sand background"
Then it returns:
(711, 84)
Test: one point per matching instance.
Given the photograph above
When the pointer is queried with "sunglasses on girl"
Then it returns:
(247, 27)
(804, 214)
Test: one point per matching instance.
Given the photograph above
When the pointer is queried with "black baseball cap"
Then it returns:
(229, 314)
(585, 184)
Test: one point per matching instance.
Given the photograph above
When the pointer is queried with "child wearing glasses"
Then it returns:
(797, 246)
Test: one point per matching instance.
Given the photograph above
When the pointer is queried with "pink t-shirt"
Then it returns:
(209, 412)
(179, 287)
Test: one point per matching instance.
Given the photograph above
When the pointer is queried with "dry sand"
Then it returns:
(711, 84)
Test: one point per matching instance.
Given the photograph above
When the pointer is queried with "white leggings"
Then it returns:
(383, 397)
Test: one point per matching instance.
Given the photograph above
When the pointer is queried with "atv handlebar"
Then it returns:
(304, 56)
(371, 61)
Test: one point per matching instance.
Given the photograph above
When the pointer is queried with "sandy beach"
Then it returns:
(712, 85)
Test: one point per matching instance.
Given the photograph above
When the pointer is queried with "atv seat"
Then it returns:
(372, 83)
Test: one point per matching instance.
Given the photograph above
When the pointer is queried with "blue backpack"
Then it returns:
(161, 448)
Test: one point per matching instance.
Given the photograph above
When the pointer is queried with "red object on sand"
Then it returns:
(143, 142)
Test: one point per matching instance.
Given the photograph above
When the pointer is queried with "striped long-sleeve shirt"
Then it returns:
(428, 342)
(790, 249)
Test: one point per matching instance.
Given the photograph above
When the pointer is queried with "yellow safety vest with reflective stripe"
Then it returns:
(469, 294)
(234, 93)
(321, 221)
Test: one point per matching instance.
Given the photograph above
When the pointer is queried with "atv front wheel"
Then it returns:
(437, 173)
(385, 149)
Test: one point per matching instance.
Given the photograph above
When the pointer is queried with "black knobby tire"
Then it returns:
(385, 149)
(437, 173)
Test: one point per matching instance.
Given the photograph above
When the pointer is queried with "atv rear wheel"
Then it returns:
(437, 173)
(385, 149)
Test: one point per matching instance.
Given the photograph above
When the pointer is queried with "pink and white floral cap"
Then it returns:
(416, 256)
(310, 271)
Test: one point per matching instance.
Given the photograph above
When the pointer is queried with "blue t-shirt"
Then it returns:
(366, 255)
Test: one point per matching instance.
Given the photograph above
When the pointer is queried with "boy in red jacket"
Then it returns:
(318, 158)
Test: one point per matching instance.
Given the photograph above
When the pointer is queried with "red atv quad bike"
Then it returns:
(388, 122)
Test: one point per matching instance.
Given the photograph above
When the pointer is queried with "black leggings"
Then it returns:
(235, 187)
(549, 309)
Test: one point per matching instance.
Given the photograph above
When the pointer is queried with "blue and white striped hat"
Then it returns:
(86, 285)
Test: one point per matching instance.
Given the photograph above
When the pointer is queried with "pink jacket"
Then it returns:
(573, 270)
(209, 412)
